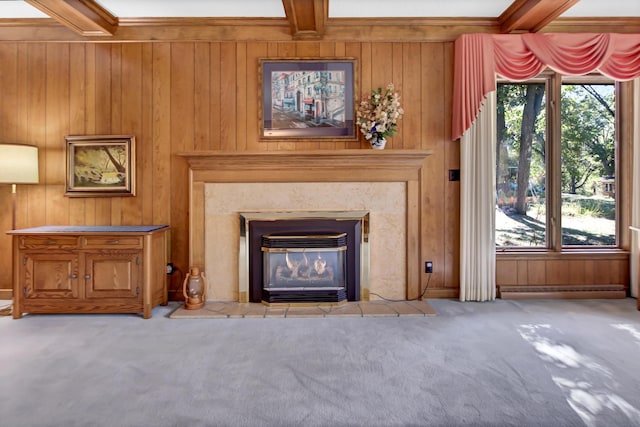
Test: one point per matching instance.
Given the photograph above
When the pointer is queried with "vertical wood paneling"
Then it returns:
(536, 272)
(57, 123)
(411, 100)
(506, 272)
(9, 86)
(557, 272)
(255, 51)
(432, 117)
(241, 96)
(90, 118)
(588, 272)
(21, 130)
(161, 104)
(116, 89)
(103, 105)
(37, 124)
(397, 78)
(182, 120)
(575, 270)
(215, 127)
(103, 76)
(365, 79)
(228, 98)
(116, 118)
(202, 96)
(8, 109)
(452, 188)
(131, 84)
(22, 104)
(90, 90)
(77, 113)
(145, 140)
(352, 50)
(523, 272)
(308, 50)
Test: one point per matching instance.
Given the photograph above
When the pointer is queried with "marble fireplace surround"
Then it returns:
(386, 183)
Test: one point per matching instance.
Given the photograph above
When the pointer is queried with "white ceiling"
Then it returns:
(337, 8)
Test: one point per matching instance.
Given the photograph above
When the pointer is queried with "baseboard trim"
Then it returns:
(6, 294)
(563, 292)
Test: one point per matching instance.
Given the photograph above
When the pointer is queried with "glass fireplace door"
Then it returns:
(304, 268)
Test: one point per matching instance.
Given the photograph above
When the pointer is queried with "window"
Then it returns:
(556, 163)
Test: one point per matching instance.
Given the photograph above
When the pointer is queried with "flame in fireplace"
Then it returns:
(296, 263)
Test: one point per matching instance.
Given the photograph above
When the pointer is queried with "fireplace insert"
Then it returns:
(303, 259)
(304, 268)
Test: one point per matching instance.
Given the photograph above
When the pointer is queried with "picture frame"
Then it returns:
(100, 165)
(308, 99)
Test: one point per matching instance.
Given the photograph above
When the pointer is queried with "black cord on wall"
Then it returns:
(403, 300)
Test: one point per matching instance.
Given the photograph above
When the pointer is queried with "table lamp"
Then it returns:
(18, 165)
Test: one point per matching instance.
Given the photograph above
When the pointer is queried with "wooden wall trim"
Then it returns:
(279, 29)
(375, 163)
(593, 25)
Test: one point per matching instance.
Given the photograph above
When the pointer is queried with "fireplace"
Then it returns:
(311, 257)
(388, 184)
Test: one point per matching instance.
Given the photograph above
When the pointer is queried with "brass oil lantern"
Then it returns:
(194, 289)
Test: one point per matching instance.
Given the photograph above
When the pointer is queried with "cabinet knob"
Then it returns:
(113, 242)
(74, 276)
(87, 276)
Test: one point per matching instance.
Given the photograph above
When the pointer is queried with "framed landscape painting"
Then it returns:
(307, 99)
(100, 165)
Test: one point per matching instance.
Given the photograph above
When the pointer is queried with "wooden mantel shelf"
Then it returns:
(323, 165)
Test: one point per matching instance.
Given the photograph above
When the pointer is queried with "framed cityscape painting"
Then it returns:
(306, 99)
(100, 165)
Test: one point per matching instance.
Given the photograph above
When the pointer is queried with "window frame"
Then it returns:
(553, 164)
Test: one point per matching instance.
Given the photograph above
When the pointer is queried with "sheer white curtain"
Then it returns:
(477, 206)
(635, 196)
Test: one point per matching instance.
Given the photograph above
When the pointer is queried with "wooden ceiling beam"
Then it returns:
(306, 18)
(532, 15)
(85, 17)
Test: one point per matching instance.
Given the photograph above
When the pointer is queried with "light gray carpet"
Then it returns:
(503, 363)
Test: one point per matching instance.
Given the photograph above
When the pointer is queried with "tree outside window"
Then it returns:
(587, 154)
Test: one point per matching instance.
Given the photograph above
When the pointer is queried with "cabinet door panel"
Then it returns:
(112, 275)
(50, 275)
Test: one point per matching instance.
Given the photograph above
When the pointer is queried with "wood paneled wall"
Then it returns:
(194, 96)
(579, 269)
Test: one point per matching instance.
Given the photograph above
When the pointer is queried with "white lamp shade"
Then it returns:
(18, 164)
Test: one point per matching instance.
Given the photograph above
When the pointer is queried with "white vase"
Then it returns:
(378, 143)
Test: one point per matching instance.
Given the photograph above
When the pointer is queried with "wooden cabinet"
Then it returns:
(66, 269)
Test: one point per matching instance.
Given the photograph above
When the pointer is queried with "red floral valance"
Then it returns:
(480, 58)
